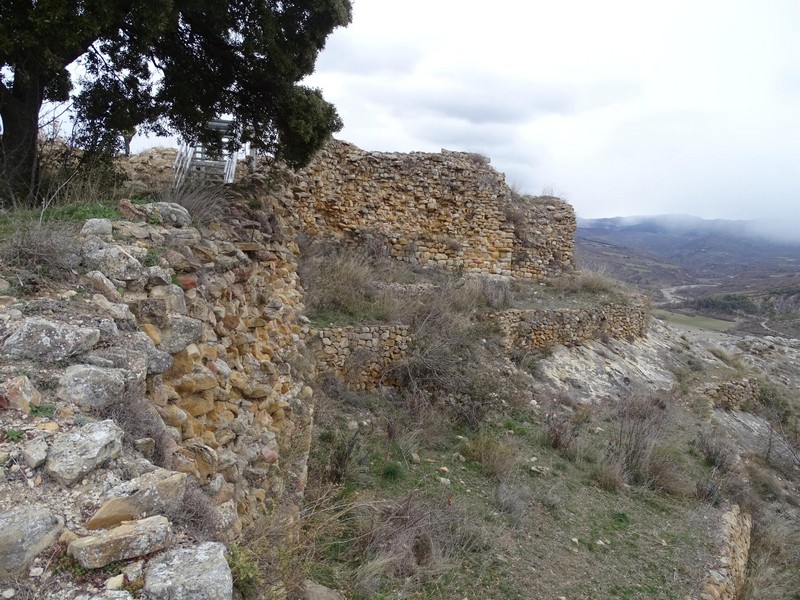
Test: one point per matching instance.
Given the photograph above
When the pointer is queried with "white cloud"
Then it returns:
(628, 107)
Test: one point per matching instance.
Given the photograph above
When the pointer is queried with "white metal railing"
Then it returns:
(182, 163)
(230, 167)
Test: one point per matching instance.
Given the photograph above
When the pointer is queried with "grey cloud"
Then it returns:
(365, 58)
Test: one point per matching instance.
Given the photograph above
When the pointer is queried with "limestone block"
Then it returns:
(25, 532)
(90, 386)
(195, 573)
(50, 341)
(72, 455)
(129, 540)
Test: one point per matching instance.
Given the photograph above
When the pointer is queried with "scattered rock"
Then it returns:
(21, 393)
(315, 591)
(24, 533)
(90, 386)
(34, 452)
(98, 282)
(111, 260)
(129, 540)
(98, 227)
(73, 455)
(173, 215)
(49, 341)
(199, 573)
(158, 492)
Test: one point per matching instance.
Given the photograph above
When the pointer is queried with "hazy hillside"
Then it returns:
(702, 249)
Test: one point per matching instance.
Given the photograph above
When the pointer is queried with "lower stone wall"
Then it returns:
(727, 578)
(542, 328)
(358, 356)
(735, 395)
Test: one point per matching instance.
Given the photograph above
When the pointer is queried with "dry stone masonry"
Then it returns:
(449, 209)
(727, 579)
(359, 356)
(540, 328)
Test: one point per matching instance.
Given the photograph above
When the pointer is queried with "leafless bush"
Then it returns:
(197, 514)
(561, 432)
(664, 475)
(138, 418)
(718, 451)
(205, 202)
(639, 426)
(710, 490)
(41, 251)
(497, 457)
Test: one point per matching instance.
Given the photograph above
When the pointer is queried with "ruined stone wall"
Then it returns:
(191, 341)
(449, 209)
(542, 328)
(359, 356)
(735, 395)
(727, 578)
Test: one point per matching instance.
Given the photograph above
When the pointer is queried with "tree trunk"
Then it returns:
(19, 150)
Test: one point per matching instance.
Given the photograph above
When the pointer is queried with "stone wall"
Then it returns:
(449, 209)
(192, 341)
(735, 395)
(727, 578)
(358, 356)
(542, 328)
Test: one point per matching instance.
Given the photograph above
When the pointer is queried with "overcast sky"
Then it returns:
(622, 107)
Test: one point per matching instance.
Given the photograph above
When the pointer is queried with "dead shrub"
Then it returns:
(496, 457)
(40, 252)
(139, 419)
(710, 490)
(561, 432)
(639, 426)
(197, 514)
(408, 543)
(717, 450)
(664, 475)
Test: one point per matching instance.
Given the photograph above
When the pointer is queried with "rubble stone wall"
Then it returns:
(359, 356)
(728, 576)
(450, 209)
(735, 395)
(201, 333)
(542, 328)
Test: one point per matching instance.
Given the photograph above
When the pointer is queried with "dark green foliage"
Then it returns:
(209, 58)
(726, 303)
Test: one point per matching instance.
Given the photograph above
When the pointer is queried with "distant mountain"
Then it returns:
(679, 249)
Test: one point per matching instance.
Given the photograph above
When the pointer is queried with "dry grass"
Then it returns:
(608, 474)
(588, 282)
(40, 252)
(717, 450)
(497, 458)
(206, 203)
(774, 559)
